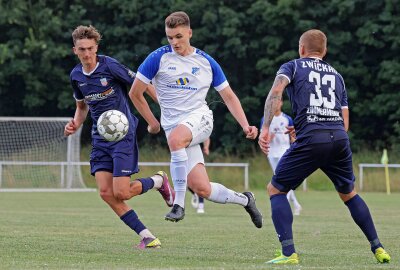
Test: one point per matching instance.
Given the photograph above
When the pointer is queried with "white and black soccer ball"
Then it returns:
(113, 125)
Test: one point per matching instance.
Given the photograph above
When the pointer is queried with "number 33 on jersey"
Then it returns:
(319, 103)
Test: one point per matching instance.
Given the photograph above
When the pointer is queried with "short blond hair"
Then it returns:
(86, 32)
(314, 41)
(179, 18)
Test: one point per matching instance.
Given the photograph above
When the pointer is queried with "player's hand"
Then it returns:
(251, 132)
(154, 128)
(206, 151)
(292, 133)
(70, 128)
(263, 140)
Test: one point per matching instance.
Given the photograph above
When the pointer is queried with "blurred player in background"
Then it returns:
(99, 83)
(182, 76)
(318, 97)
(280, 141)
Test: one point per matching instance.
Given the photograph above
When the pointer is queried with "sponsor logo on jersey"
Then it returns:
(312, 118)
(195, 71)
(100, 96)
(82, 84)
(182, 81)
(171, 68)
(104, 81)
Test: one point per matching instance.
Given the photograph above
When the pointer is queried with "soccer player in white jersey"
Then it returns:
(182, 76)
(280, 141)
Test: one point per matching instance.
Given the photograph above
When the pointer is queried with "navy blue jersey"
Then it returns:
(104, 89)
(317, 94)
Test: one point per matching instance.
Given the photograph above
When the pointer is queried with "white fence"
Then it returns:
(361, 167)
(64, 165)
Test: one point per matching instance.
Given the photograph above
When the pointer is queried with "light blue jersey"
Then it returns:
(181, 82)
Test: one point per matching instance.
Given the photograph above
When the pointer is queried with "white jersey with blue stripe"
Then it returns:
(181, 82)
(281, 141)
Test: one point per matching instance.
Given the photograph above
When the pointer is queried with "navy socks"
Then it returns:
(131, 219)
(362, 217)
(147, 183)
(282, 218)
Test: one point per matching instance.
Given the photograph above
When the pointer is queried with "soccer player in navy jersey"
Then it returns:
(99, 83)
(280, 141)
(182, 76)
(318, 98)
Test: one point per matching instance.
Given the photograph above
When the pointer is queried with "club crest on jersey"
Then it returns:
(182, 81)
(195, 71)
(104, 81)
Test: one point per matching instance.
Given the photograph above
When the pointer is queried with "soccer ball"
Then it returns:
(112, 125)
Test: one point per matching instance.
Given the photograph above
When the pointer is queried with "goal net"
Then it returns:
(36, 156)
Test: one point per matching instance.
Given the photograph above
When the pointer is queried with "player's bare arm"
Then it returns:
(234, 106)
(345, 115)
(151, 91)
(271, 106)
(273, 99)
(81, 112)
(136, 94)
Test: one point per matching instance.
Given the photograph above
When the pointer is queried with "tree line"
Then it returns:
(250, 39)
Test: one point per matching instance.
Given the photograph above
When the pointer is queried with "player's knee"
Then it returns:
(204, 192)
(347, 196)
(106, 195)
(271, 190)
(176, 143)
(122, 195)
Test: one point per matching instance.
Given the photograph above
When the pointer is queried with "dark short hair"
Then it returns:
(86, 32)
(179, 18)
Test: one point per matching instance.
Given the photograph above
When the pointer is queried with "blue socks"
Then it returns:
(362, 217)
(282, 218)
(147, 183)
(131, 219)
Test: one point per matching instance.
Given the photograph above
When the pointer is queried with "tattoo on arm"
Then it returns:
(273, 99)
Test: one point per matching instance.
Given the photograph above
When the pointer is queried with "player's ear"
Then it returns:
(74, 50)
(190, 32)
(325, 51)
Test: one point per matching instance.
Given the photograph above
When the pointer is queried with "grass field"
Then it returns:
(78, 231)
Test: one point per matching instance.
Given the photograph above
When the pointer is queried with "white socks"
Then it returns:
(157, 179)
(179, 175)
(221, 194)
(146, 234)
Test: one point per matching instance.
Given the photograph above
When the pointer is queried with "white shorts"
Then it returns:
(201, 126)
(273, 161)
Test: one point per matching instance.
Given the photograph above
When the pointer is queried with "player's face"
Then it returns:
(179, 38)
(86, 50)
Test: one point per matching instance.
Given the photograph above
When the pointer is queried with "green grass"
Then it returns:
(79, 231)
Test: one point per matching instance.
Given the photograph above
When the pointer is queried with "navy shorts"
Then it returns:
(120, 158)
(328, 150)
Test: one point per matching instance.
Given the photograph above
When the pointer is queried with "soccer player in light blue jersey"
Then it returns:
(318, 97)
(182, 76)
(99, 83)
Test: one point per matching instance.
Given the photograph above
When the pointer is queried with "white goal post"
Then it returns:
(361, 167)
(36, 156)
